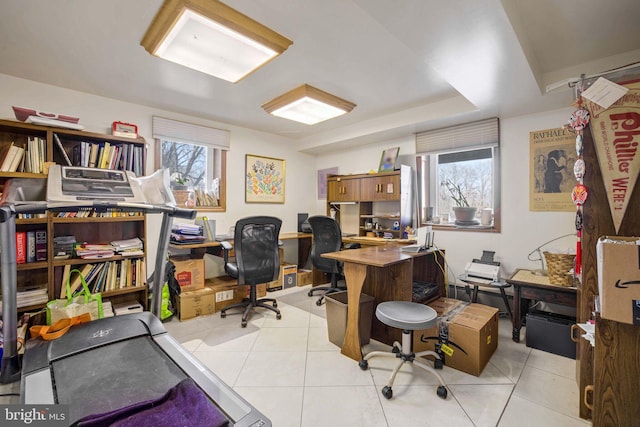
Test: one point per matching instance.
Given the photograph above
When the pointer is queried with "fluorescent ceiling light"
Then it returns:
(213, 38)
(308, 105)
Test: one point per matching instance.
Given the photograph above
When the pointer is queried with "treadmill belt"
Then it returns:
(113, 376)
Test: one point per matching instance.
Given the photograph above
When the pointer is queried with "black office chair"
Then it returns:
(327, 237)
(257, 261)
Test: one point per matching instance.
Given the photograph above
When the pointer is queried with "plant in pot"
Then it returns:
(180, 188)
(464, 213)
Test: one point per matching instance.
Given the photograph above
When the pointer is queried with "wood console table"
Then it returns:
(529, 287)
(387, 274)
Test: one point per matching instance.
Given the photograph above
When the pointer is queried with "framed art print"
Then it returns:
(264, 179)
(388, 159)
(322, 181)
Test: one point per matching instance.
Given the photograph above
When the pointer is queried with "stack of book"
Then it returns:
(129, 247)
(184, 233)
(32, 296)
(94, 251)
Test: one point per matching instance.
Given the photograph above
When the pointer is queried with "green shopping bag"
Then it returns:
(73, 306)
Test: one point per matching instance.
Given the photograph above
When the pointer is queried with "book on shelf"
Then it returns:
(11, 162)
(66, 272)
(31, 246)
(93, 155)
(4, 151)
(65, 156)
(21, 247)
(41, 245)
(75, 281)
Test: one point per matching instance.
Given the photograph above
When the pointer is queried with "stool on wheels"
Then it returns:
(408, 316)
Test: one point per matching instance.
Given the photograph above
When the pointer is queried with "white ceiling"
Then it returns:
(409, 65)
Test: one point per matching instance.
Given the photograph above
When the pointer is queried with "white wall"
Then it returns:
(97, 113)
(522, 230)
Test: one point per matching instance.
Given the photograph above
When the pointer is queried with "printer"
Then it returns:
(484, 270)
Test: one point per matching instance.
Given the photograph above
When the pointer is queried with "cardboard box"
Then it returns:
(196, 303)
(472, 332)
(619, 278)
(189, 273)
(227, 291)
(305, 277)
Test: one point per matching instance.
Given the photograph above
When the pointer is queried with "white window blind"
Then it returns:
(484, 133)
(174, 130)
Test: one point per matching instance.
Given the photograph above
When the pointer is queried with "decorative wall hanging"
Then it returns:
(551, 169)
(322, 181)
(264, 179)
(616, 134)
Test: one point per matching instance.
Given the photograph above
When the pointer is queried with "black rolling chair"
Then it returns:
(257, 261)
(327, 237)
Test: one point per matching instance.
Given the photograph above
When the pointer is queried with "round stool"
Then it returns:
(408, 316)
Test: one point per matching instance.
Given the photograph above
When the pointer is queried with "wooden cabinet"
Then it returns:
(384, 200)
(343, 189)
(124, 153)
(380, 187)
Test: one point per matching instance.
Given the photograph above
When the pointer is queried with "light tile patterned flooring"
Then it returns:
(290, 371)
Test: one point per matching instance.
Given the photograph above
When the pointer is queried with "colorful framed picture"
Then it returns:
(388, 159)
(264, 179)
(322, 181)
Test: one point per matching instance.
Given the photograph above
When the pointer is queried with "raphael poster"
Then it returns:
(552, 155)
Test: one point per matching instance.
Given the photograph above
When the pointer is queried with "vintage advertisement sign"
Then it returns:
(616, 134)
(552, 158)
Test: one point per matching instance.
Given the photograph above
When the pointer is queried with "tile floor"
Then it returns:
(290, 371)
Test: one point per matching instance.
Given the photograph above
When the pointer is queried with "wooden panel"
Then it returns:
(617, 361)
(390, 283)
(614, 368)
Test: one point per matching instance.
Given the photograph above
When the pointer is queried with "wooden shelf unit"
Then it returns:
(89, 229)
(384, 198)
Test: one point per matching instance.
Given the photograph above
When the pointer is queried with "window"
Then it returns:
(459, 161)
(196, 158)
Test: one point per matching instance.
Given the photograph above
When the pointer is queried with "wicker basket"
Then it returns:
(558, 266)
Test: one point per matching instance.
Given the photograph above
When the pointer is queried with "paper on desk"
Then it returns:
(604, 92)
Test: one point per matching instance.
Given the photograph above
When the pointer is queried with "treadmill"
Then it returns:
(111, 363)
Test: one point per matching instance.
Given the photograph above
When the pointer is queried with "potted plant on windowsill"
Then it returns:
(180, 188)
(464, 213)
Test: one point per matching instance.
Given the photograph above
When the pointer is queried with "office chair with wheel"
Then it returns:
(255, 244)
(327, 237)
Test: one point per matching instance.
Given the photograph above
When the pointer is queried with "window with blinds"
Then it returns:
(460, 161)
(196, 158)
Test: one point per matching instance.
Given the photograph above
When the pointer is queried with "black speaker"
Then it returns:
(302, 217)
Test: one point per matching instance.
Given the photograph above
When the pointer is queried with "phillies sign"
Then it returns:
(616, 133)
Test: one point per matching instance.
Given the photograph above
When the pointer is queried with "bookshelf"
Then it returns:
(56, 146)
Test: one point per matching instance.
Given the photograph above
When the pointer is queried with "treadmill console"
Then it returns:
(73, 184)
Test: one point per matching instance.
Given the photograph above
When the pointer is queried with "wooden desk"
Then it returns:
(199, 249)
(386, 273)
(528, 287)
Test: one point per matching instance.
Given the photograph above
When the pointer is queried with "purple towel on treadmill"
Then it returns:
(183, 405)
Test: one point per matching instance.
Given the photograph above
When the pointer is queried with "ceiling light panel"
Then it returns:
(213, 38)
(308, 105)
